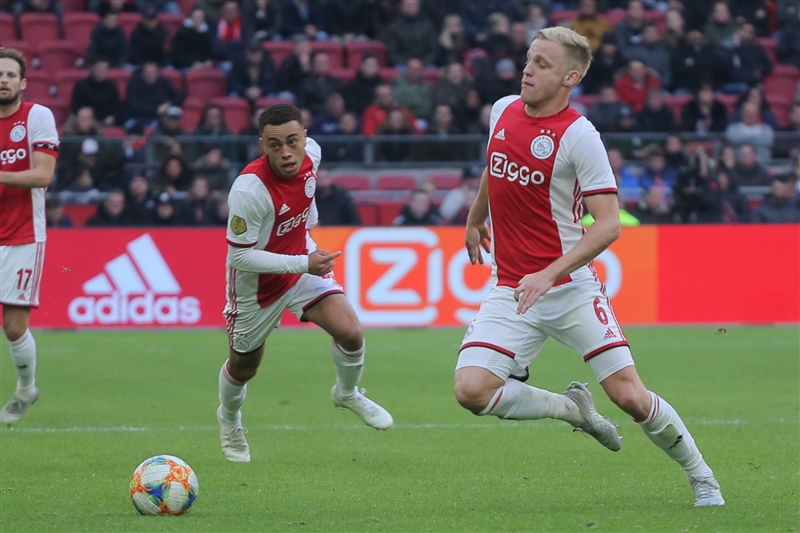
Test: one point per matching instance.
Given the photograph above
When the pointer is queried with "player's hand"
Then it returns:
(321, 262)
(530, 289)
(477, 237)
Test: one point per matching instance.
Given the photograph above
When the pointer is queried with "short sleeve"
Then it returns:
(43, 133)
(314, 151)
(313, 216)
(590, 161)
(497, 111)
(248, 212)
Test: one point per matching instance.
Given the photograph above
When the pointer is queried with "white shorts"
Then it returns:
(247, 330)
(577, 314)
(21, 274)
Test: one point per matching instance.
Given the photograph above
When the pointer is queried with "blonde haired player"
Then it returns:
(28, 152)
(543, 159)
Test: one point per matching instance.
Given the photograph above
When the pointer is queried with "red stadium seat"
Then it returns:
(770, 44)
(471, 57)
(23, 47)
(563, 16)
(353, 182)
(39, 84)
(446, 181)
(78, 28)
(56, 55)
(346, 75)
(676, 103)
(114, 132)
(171, 21)
(431, 75)
(356, 50)
(708, 146)
(781, 105)
(192, 112)
(659, 18)
(186, 6)
(175, 77)
(8, 28)
(266, 101)
(206, 84)
(278, 50)
(783, 80)
(74, 6)
(369, 212)
(615, 16)
(729, 100)
(389, 210)
(388, 74)
(236, 112)
(586, 100)
(128, 21)
(121, 78)
(59, 107)
(39, 27)
(333, 49)
(396, 182)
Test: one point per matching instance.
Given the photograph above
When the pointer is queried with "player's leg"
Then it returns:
(23, 353)
(321, 301)
(664, 427)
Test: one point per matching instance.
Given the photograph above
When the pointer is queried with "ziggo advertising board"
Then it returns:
(407, 277)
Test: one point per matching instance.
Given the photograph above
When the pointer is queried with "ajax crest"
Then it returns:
(311, 186)
(542, 147)
(18, 133)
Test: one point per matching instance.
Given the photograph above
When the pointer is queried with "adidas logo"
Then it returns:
(284, 209)
(137, 287)
(500, 135)
(610, 334)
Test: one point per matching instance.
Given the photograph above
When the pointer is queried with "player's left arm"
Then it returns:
(41, 175)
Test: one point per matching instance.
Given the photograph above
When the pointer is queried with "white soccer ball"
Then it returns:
(163, 484)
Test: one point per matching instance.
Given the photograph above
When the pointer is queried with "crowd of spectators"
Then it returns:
(447, 61)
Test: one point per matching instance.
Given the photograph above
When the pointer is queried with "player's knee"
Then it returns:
(471, 395)
(14, 331)
(242, 369)
(351, 338)
(633, 403)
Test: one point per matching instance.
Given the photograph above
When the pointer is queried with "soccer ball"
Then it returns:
(163, 484)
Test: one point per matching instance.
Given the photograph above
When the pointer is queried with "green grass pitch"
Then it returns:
(111, 399)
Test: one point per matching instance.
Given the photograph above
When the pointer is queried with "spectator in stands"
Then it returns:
(605, 65)
(471, 116)
(107, 41)
(232, 32)
(221, 212)
(656, 171)
(748, 60)
(198, 208)
(476, 13)
(148, 95)
(174, 175)
(319, 85)
(629, 31)
(303, 17)
(98, 92)
(54, 213)
(626, 121)
(308, 118)
(452, 88)
(655, 116)
(326, 122)
(360, 91)
(503, 83)
(296, 68)
(21, 7)
(749, 171)
(396, 123)
(750, 131)
(518, 51)
(788, 48)
(633, 84)
(344, 151)
(418, 211)
(497, 42)
(704, 113)
(251, 130)
(138, 202)
(252, 148)
(693, 64)
(252, 75)
(335, 205)
(782, 204)
(752, 11)
(412, 91)
(101, 7)
(80, 171)
(83, 123)
(454, 43)
(149, 40)
(691, 191)
(166, 214)
(111, 213)
(169, 122)
(590, 23)
(653, 53)
(266, 17)
(350, 19)
(794, 119)
(192, 45)
(214, 168)
(676, 30)
(624, 176)
(606, 110)
(411, 34)
(442, 126)
(674, 154)
(721, 27)
(654, 207)
(756, 96)
(729, 205)
(535, 20)
(458, 200)
(376, 113)
(726, 162)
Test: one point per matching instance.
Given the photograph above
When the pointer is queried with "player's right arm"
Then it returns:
(477, 234)
(43, 136)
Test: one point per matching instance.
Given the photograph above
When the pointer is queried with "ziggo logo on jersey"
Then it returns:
(501, 167)
(11, 156)
(289, 225)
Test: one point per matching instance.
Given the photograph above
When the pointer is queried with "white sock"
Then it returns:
(23, 353)
(349, 366)
(665, 428)
(231, 395)
(517, 401)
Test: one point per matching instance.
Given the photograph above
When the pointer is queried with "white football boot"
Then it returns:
(706, 490)
(593, 424)
(234, 445)
(370, 412)
(16, 407)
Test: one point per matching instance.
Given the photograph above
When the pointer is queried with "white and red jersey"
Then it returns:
(32, 128)
(273, 214)
(538, 171)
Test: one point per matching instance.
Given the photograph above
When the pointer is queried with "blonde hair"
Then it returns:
(579, 52)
